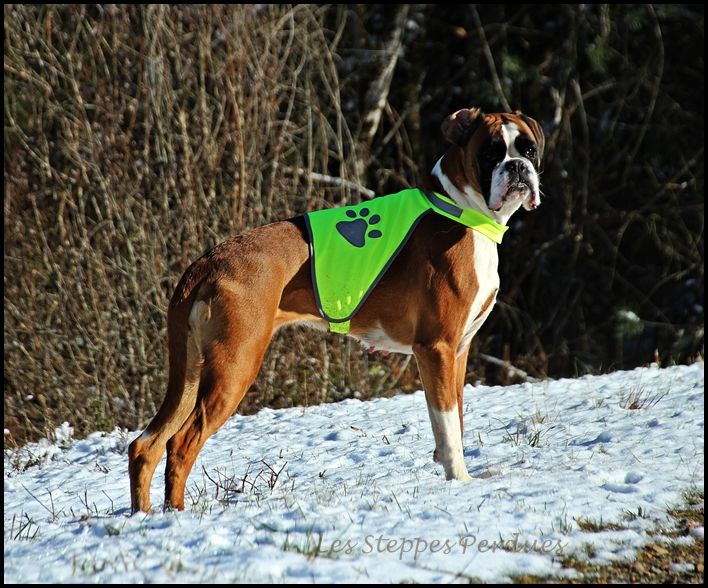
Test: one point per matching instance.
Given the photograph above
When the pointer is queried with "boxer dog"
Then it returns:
(431, 301)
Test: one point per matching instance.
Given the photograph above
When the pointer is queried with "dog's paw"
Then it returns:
(455, 470)
(354, 231)
(463, 477)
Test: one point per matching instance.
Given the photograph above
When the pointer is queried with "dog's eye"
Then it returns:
(530, 152)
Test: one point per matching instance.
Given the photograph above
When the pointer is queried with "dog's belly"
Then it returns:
(373, 339)
(376, 339)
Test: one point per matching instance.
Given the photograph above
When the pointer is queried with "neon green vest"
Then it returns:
(352, 247)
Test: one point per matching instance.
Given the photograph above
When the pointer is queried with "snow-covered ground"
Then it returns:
(349, 491)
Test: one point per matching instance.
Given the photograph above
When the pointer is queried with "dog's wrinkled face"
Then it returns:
(501, 156)
(507, 168)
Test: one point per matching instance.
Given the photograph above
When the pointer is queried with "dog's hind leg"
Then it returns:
(232, 357)
(185, 361)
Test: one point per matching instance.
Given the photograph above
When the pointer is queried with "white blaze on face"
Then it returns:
(509, 132)
(500, 197)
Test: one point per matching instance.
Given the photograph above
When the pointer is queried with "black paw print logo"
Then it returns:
(354, 231)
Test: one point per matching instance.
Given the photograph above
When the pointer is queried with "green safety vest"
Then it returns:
(351, 247)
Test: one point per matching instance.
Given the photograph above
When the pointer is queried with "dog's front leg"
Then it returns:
(437, 366)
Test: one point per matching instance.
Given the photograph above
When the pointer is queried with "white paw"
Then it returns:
(461, 476)
(454, 465)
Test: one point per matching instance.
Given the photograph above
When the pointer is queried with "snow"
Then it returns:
(348, 492)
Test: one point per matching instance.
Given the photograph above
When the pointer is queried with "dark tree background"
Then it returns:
(137, 137)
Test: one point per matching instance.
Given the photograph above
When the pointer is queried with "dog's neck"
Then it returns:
(457, 186)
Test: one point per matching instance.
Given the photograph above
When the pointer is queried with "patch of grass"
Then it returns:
(219, 487)
(630, 515)
(311, 546)
(527, 431)
(655, 562)
(640, 397)
(19, 461)
(693, 496)
(596, 526)
(534, 439)
(564, 526)
(90, 565)
(23, 528)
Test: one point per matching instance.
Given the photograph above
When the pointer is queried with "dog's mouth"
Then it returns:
(519, 189)
(516, 190)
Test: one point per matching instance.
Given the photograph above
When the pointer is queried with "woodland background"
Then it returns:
(138, 137)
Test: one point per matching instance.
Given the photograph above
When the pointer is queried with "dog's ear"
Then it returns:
(537, 133)
(461, 125)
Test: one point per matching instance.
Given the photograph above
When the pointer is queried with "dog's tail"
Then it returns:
(182, 347)
(185, 363)
(185, 354)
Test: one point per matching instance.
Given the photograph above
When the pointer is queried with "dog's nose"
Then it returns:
(513, 166)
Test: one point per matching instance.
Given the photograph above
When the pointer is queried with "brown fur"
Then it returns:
(229, 303)
(241, 282)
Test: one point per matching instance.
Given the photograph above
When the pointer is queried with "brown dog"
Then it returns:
(431, 301)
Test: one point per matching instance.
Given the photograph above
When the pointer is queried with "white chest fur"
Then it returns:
(486, 263)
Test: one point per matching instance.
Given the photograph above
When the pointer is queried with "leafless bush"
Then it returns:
(137, 138)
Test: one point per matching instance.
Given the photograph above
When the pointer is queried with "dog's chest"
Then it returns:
(486, 264)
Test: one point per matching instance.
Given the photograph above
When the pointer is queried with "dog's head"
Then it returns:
(494, 160)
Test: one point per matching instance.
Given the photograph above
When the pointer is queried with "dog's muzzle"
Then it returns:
(514, 179)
